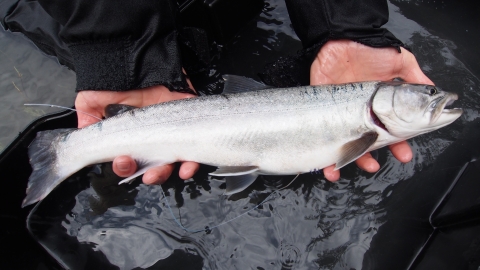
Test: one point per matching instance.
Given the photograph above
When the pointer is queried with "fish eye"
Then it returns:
(432, 90)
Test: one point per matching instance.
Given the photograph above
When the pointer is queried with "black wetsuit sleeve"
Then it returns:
(317, 21)
(120, 45)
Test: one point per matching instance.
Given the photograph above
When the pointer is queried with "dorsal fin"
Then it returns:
(239, 84)
(114, 109)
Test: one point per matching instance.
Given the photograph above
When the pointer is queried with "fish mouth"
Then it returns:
(442, 115)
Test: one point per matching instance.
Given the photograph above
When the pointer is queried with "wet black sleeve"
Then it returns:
(317, 21)
(122, 44)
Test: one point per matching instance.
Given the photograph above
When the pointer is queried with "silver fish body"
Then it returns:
(272, 131)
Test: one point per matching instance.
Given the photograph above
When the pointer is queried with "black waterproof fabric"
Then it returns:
(317, 21)
(121, 45)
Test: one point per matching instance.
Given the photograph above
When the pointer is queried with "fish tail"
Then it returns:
(43, 159)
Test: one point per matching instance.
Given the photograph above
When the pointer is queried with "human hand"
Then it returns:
(342, 61)
(94, 103)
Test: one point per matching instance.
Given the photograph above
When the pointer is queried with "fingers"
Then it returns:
(86, 120)
(158, 175)
(188, 169)
(83, 111)
(330, 174)
(367, 163)
(410, 70)
(124, 166)
(402, 151)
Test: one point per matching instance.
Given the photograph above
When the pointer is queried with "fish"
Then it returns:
(262, 131)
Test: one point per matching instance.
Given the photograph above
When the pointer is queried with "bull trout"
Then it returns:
(270, 131)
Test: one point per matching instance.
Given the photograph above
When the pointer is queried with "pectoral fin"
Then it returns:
(237, 178)
(355, 149)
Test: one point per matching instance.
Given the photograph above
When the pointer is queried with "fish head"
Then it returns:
(407, 110)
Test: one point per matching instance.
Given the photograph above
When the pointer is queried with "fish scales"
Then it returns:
(271, 131)
(286, 119)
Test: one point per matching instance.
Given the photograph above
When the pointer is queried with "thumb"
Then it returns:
(86, 115)
(410, 70)
(86, 120)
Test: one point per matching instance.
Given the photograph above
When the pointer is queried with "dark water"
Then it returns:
(313, 224)
(28, 76)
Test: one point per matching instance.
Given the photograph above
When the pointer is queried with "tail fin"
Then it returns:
(43, 158)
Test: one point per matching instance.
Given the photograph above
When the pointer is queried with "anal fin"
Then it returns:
(356, 148)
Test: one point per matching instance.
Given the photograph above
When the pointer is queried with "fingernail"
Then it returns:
(123, 166)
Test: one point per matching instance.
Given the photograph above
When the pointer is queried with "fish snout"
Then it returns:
(442, 114)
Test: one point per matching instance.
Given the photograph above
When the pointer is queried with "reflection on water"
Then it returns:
(28, 76)
(314, 224)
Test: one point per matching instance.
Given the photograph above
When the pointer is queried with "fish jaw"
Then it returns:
(442, 116)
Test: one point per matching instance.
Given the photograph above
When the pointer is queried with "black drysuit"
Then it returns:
(124, 44)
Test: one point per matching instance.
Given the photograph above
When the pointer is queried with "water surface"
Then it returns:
(28, 76)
